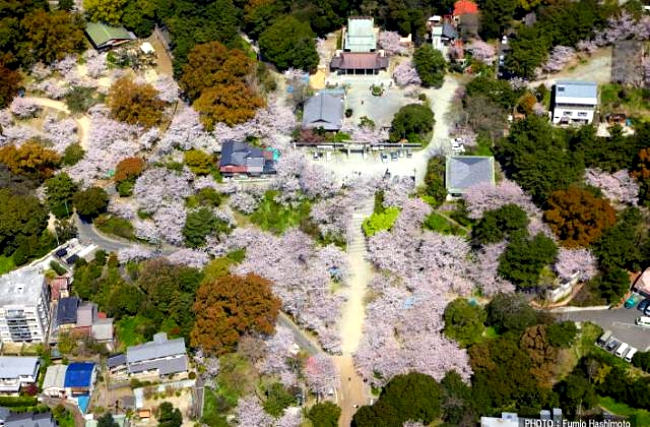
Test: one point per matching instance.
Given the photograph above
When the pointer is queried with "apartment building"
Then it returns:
(24, 306)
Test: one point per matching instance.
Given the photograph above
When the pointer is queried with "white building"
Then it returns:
(575, 102)
(54, 381)
(24, 308)
(16, 372)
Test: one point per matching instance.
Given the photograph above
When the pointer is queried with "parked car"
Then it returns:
(611, 345)
(620, 352)
(384, 158)
(604, 338)
(647, 311)
(316, 155)
(630, 354)
(393, 156)
(643, 305)
(632, 300)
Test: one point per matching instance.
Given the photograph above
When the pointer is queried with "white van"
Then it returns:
(643, 321)
(620, 352)
(630, 354)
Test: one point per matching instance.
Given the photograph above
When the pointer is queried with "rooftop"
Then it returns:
(465, 7)
(67, 311)
(323, 110)
(79, 374)
(467, 171)
(360, 35)
(30, 419)
(15, 366)
(21, 287)
(576, 89)
(158, 348)
(100, 34)
(55, 376)
(359, 61)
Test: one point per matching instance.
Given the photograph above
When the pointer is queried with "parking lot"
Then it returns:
(620, 321)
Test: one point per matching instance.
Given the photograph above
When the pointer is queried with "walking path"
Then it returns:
(83, 122)
(353, 391)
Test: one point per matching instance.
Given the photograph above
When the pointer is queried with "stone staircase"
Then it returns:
(356, 239)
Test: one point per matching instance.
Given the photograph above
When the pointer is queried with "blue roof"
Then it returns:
(576, 89)
(79, 374)
(67, 311)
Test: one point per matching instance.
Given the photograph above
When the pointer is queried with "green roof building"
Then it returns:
(103, 36)
(360, 35)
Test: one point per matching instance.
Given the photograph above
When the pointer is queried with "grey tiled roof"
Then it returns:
(117, 360)
(576, 89)
(15, 366)
(466, 171)
(30, 419)
(235, 153)
(164, 366)
(157, 349)
(323, 110)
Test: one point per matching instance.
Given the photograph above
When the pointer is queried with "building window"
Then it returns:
(582, 114)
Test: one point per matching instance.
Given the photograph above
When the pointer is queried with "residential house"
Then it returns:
(360, 35)
(323, 111)
(574, 102)
(466, 16)
(66, 314)
(463, 172)
(160, 357)
(443, 34)
(24, 306)
(116, 365)
(240, 158)
(17, 372)
(31, 419)
(79, 383)
(92, 322)
(54, 381)
(105, 37)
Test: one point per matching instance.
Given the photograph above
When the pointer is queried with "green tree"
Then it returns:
(434, 180)
(21, 217)
(106, 420)
(108, 11)
(67, 5)
(561, 334)
(430, 65)
(199, 162)
(168, 416)
(277, 399)
(59, 191)
(412, 122)
(496, 17)
(289, 43)
(324, 414)
(624, 245)
(199, 224)
(576, 394)
(72, 154)
(380, 221)
(50, 36)
(456, 401)
(612, 284)
(91, 202)
(500, 223)
(527, 51)
(510, 312)
(464, 322)
(523, 260)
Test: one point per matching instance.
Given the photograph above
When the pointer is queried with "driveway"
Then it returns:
(620, 321)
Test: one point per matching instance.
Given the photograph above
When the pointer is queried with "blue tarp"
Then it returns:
(83, 402)
(79, 375)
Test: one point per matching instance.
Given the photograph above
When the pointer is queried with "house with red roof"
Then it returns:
(465, 7)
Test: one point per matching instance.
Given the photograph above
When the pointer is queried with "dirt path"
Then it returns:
(598, 68)
(353, 391)
(83, 122)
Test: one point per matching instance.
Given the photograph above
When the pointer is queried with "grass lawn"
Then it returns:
(632, 101)
(6, 264)
(440, 223)
(120, 227)
(640, 416)
(130, 330)
(212, 410)
(275, 217)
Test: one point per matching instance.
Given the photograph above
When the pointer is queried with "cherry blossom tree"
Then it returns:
(323, 52)
(249, 413)
(486, 197)
(41, 71)
(296, 176)
(170, 220)
(405, 74)
(96, 64)
(365, 134)
(186, 132)
(123, 209)
(146, 230)
(24, 108)
(482, 51)
(484, 270)
(619, 187)
(292, 417)
(279, 350)
(576, 261)
(54, 88)
(134, 253)
(389, 41)
(210, 367)
(321, 376)
(60, 133)
(244, 202)
(587, 46)
(466, 134)
(332, 216)
(559, 57)
(398, 191)
(167, 88)
(159, 186)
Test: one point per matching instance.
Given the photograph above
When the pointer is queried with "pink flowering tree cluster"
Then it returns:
(421, 270)
(466, 135)
(24, 108)
(486, 197)
(301, 273)
(587, 46)
(280, 351)
(167, 88)
(54, 88)
(134, 253)
(297, 177)
(186, 132)
(332, 215)
(108, 142)
(559, 57)
(365, 134)
(618, 187)
(324, 53)
(209, 367)
(40, 71)
(250, 413)
(122, 208)
(321, 376)
(398, 190)
(483, 270)
(96, 64)
(244, 202)
(482, 51)
(389, 41)
(405, 74)
(576, 262)
(60, 133)
(292, 417)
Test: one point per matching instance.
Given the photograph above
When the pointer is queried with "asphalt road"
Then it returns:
(620, 321)
(302, 339)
